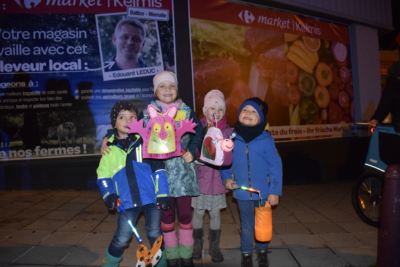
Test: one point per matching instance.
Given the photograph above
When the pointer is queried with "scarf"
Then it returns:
(220, 125)
(124, 143)
(165, 107)
(249, 133)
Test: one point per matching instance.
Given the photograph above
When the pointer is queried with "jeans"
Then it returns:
(247, 222)
(124, 231)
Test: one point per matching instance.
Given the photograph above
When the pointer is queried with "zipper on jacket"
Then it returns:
(248, 169)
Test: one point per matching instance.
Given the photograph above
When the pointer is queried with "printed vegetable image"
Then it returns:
(344, 74)
(334, 91)
(324, 114)
(290, 37)
(294, 115)
(336, 113)
(323, 73)
(299, 62)
(349, 88)
(311, 54)
(344, 99)
(339, 51)
(303, 78)
(309, 110)
(302, 56)
(307, 83)
(292, 72)
(280, 91)
(294, 94)
(336, 75)
(321, 96)
(312, 43)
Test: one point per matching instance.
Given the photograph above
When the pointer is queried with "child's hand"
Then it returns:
(163, 203)
(104, 148)
(273, 200)
(229, 183)
(188, 157)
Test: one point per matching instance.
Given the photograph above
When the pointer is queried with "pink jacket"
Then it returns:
(208, 176)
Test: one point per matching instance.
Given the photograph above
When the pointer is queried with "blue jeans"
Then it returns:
(124, 231)
(247, 222)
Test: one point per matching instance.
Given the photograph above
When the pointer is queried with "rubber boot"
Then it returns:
(173, 253)
(214, 249)
(186, 245)
(171, 248)
(247, 260)
(198, 244)
(262, 258)
(110, 261)
(185, 258)
(163, 261)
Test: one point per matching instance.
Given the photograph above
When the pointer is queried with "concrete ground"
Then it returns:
(314, 226)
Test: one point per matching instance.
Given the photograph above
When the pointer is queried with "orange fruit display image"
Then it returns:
(312, 43)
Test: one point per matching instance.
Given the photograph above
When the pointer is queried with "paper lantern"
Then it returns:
(263, 227)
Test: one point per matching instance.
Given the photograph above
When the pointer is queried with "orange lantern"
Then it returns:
(263, 227)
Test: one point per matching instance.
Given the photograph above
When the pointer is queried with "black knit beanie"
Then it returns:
(120, 105)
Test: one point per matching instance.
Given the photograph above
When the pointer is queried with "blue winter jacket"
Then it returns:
(137, 181)
(256, 164)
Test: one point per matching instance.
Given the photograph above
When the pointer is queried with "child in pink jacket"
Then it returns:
(212, 192)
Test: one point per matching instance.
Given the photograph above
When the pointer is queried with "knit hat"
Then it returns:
(214, 98)
(164, 76)
(120, 105)
(257, 104)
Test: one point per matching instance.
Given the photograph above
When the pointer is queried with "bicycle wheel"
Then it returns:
(367, 198)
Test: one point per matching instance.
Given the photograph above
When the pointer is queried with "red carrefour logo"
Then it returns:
(246, 16)
(28, 3)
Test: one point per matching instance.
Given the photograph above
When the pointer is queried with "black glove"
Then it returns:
(110, 201)
(163, 202)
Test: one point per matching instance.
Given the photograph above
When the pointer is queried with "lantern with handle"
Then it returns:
(263, 222)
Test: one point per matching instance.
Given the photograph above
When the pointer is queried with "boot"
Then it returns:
(198, 244)
(186, 245)
(262, 258)
(187, 262)
(185, 258)
(173, 262)
(171, 248)
(247, 260)
(163, 261)
(172, 255)
(214, 249)
(110, 261)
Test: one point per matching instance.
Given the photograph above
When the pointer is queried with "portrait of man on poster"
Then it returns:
(129, 38)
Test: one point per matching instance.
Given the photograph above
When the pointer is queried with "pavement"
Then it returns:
(314, 226)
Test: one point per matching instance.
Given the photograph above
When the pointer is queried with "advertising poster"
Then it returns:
(299, 65)
(64, 64)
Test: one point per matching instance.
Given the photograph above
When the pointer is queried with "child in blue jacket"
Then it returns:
(140, 184)
(256, 164)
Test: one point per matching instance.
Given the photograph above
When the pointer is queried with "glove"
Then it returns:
(163, 202)
(110, 201)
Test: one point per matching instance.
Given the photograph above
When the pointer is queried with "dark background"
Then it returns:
(387, 40)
